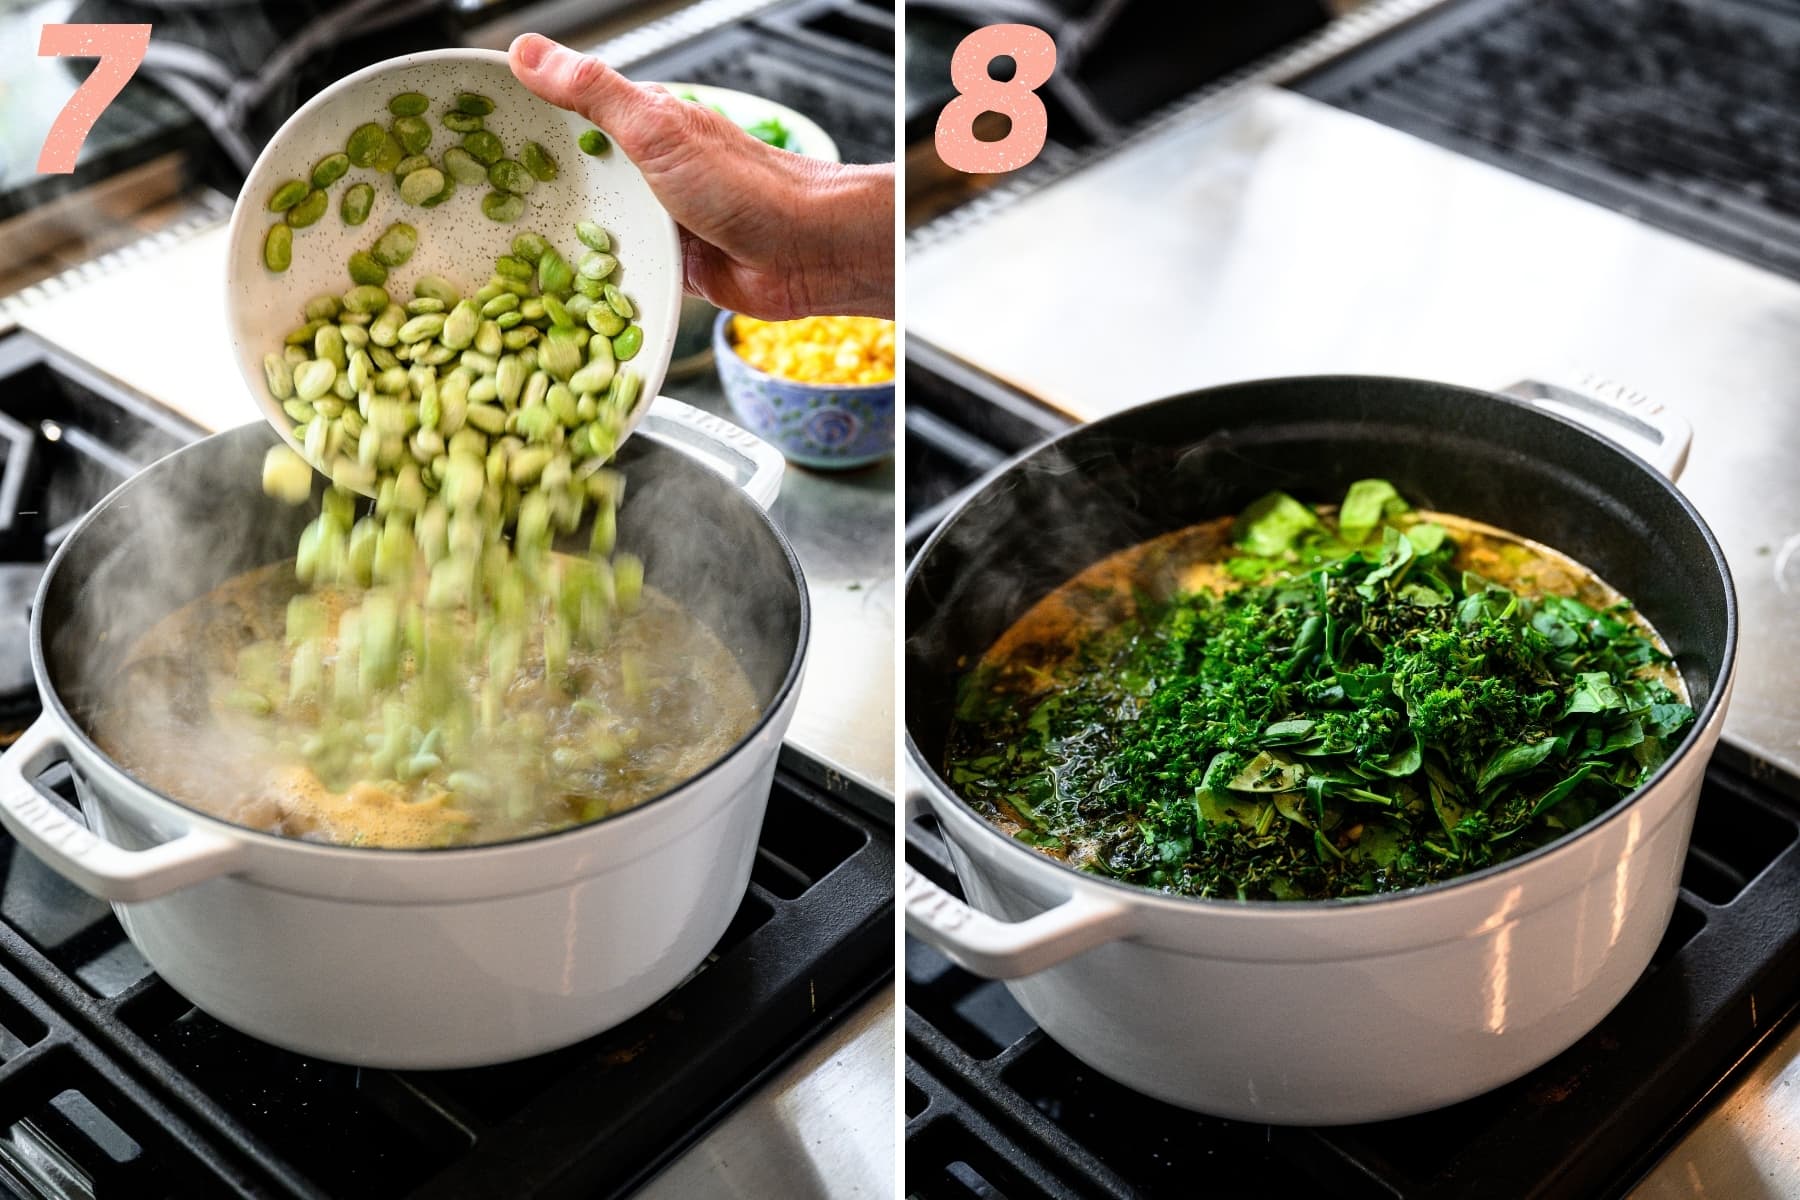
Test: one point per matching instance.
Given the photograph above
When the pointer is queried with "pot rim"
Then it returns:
(690, 786)
(1710, 713)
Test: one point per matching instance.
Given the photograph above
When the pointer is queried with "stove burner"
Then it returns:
(1684, 114)
(233, 1116)
(18, 694)
(994, 1107)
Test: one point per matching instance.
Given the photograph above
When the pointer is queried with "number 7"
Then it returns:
(120, 48)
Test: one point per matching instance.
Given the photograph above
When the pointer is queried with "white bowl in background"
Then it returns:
(805, 137)
(693, 346)
(455, 240)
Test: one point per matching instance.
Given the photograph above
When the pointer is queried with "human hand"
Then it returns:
(764, 232)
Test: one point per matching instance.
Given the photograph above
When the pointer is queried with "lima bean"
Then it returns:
(330, 169)
(364, 145)
(395, 246)
(308, 210)
(448, 190)
(288, 194)
(484, 146)
(279, 375)
(427, 325)
(529, 246)
(593, 236)
(553, 308)
(423, 185)
(303, 336)
(474, 103)
(461, 122)
(593, 142)
(554, 274)
(366, 298)
(413, 133)
(386, 330)
(461, 325)
(278, 248)
(502, 207)
(390, 154)
(365, 270)
(537, 160)
(461, 166)
(627, 344)
(314, 378)
(508, 176)
(604, 321)
(437, 288)
(358, 199)
(408, 104)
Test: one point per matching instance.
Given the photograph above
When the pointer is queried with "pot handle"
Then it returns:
(1650, 429)
(83, 857)
(997, 949)
(742, 457)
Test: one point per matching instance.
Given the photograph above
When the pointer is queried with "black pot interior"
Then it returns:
(198, 517)
(1190, 458)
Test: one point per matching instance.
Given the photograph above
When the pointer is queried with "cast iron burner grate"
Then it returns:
(1684, 114)
(994, 1108)
(112, 1084)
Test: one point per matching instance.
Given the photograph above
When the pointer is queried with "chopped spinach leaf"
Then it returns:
(1357, 716)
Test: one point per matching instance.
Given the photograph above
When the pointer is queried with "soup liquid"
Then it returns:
(659, 701)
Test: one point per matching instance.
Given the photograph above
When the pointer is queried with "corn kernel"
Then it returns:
(826, 350)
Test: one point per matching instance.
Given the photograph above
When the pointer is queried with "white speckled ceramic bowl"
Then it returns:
(455, 240)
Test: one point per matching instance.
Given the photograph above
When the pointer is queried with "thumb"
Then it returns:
(636, 117)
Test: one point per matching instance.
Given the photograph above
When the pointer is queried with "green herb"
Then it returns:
(1358, 717)
(770, 130)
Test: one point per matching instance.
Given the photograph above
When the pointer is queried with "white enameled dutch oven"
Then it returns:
(1338, 1011)
(411, 958)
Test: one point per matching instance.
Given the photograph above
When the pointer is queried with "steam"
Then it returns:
(184, 527)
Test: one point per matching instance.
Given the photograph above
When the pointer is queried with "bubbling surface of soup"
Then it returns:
(657, 703)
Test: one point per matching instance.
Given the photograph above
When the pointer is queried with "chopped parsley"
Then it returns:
(1354, 716)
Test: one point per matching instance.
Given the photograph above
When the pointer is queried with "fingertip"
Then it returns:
(529, 50)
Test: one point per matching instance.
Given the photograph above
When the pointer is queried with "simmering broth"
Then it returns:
(660, 700)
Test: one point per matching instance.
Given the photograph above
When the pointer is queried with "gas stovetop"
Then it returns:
(995, 1107)
(1684, 114)
(112, 1084)
(1494, 190)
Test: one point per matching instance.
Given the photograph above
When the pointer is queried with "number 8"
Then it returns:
(1034, 54)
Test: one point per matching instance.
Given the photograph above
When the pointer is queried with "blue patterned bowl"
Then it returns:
(824, 425)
